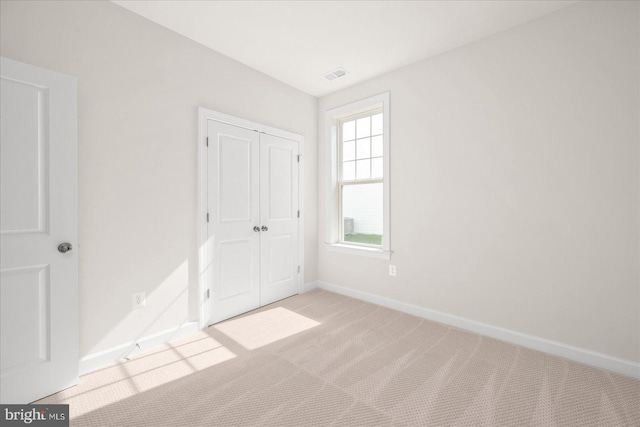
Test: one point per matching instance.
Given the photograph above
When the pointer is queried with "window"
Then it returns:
(361, 177)
(358, 190)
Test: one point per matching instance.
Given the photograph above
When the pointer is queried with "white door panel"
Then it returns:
(23, 158)
(38, 199)
(24, 301)
(233, 196)
(279, 178)
(279, 263)
(234, 200)
(236, 268)
(279, 213)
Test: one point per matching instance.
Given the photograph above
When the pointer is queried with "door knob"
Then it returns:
(265, 228)
(64, 247)
(256, 228)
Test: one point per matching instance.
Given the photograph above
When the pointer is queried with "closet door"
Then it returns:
(278, 218)
(234, 201)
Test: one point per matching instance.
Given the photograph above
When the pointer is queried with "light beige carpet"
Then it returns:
(332, 360)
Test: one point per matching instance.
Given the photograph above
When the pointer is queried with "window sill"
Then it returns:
(358, 250)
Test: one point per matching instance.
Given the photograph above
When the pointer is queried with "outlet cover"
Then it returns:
(138, 300)
(392, 270)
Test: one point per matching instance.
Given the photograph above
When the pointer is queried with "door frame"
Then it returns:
(204, 253)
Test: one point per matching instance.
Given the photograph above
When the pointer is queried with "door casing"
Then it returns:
(204, 253)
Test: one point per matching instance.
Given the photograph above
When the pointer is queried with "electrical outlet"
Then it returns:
(392, 270)
(138, 300)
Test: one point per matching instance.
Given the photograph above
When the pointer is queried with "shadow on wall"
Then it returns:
(166, 308)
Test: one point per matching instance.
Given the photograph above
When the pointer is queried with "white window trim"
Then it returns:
(332, 206)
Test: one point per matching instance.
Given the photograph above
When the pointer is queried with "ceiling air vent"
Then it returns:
(335, 74)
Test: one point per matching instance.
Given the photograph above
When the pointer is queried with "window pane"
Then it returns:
(349, 151)
(349, 171)
(377, 146)
(363, 169)
(349, 130)
(364, 148)
(377, 168)
(362, 217)
(363, 128)
(376, 124)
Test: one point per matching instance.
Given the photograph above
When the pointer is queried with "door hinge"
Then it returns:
(299, 155)
(208, 294)
(298, 214)
(207, 141)
(298, 269)
(207, 216)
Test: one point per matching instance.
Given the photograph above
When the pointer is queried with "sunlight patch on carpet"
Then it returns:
(143, 372)
(266, 327)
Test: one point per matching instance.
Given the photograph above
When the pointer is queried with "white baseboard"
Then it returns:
(108, 357)
(577, 354)
(309, 286)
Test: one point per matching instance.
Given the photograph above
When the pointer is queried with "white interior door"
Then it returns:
(278, 218)
(233, 206)
(38, 199)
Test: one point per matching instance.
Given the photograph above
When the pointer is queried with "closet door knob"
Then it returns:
(256, 228)
(265, 228)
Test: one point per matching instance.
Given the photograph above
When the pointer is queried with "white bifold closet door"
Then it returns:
(253, 219)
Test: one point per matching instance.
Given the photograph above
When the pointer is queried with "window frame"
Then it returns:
(334, 240)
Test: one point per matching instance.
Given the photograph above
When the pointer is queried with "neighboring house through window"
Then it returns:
(358, 187)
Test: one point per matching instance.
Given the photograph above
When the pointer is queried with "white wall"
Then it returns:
(514, 181)
(139, 86)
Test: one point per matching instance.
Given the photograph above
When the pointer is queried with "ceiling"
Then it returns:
(297, 42)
